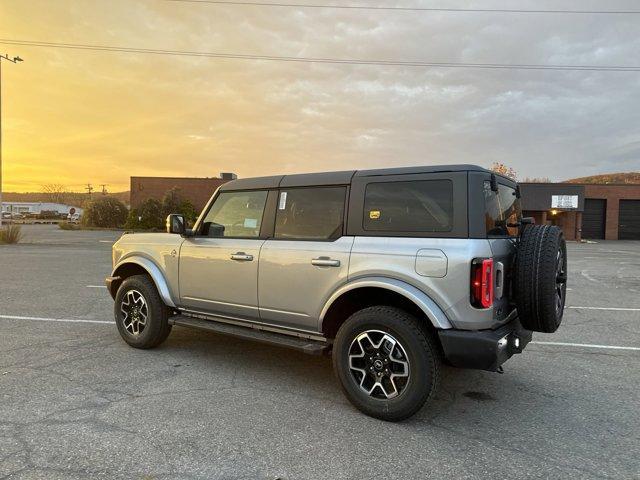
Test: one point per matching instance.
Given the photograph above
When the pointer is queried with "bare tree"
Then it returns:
(55, 192)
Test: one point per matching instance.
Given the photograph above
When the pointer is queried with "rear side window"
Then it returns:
(415, 206)
(310, 213)
(502, 208)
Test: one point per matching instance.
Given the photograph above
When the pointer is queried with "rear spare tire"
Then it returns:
(540, 279)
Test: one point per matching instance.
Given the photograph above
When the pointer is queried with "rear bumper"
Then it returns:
(484, 349)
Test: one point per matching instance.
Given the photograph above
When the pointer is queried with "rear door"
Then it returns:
(502, 214)
(219, 265)
(307, 258)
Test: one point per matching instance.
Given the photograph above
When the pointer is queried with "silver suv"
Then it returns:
(394, 271)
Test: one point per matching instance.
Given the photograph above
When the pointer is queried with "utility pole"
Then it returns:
(104, 188)
(12, 60)
(89, 189)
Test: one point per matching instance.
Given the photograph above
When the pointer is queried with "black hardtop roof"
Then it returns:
(339, 178)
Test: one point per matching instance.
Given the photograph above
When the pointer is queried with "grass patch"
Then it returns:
(10, 234)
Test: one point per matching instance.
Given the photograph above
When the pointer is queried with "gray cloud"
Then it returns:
(269, 117)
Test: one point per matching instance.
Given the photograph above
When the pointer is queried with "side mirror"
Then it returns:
(176, 224)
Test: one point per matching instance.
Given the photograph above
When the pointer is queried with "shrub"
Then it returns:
(10, 234)
(151, 214)
(105, 212)
(172, 202)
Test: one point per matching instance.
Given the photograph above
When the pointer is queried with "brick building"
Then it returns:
(196, 190)
(585, 211)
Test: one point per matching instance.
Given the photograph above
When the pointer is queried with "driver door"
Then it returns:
(219, 265)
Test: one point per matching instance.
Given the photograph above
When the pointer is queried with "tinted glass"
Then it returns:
(418, 206)
(502, 209)
(235, 214)
(310, 213)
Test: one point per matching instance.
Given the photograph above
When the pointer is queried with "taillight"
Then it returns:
(482, 282)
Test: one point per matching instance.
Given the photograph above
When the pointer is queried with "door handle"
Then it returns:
(241, 257)
(325, 262)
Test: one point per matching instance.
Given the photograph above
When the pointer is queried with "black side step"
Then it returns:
(312, 347)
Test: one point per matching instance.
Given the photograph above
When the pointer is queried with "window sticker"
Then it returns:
(374, 214)
(283, 201)
(250, 222)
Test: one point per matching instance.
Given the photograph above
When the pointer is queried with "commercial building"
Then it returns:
(585, 211)
(38, 208)
(196, 190)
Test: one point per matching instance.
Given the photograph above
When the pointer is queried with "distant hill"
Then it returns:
(629, 177)
(70, 198)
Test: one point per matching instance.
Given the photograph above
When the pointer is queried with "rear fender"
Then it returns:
(433, 312)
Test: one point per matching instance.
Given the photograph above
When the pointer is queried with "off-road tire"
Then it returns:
(422, 352)
(157, 327)
(539, 279)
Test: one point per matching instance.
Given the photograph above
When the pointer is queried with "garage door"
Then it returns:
(629, 220)
(593, 218)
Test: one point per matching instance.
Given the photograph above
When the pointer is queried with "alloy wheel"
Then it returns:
(379, 364)
(135, 311)
(561, 281)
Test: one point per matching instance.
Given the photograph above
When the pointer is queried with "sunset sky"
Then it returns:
(73, 117)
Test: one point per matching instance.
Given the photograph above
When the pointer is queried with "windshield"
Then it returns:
(502, 209)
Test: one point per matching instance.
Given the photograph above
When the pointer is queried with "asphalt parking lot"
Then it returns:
(77, 402)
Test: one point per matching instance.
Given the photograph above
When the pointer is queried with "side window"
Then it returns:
(502, 208)
(414, 206)
(235, 214)
(310, 213)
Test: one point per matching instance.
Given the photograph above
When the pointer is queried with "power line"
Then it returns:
(338, 61)
(406, 9)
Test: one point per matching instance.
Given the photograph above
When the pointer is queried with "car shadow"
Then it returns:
(260, 366)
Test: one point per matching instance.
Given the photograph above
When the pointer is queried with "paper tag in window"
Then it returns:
(250, 222)
(283, 201)
(374, 214)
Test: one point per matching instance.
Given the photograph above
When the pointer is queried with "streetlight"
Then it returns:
(12, 60)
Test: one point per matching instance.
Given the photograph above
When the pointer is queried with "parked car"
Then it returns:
(394, 271)
(6, 215)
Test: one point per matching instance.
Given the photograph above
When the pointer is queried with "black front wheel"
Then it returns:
(387, 363)
(141, 316)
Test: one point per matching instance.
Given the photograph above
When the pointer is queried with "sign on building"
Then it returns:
(564, 201)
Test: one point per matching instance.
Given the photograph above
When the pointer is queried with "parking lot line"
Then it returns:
(82, 320)
(617, 309)
(96, 286)
(587, 345)
(60, 320)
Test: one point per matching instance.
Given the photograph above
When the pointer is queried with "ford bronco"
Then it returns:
(393, 271)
